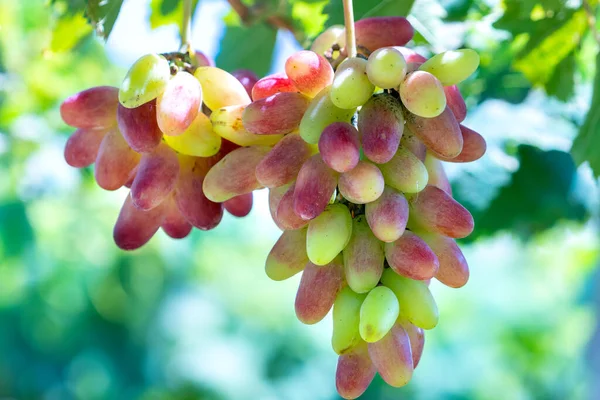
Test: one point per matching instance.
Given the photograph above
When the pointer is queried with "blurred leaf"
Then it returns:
(456, 10)
(308, 16)
(166, 12)
(586, 144)
(562, 82)
(68, 30)
(15, 230)
(537, 196)
(247, 47)
(365, 8)
(103, 14)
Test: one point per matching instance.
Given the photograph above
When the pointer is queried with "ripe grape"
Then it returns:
(362, 184)
(411, 257)
(328, 234)
(275, 196)
(315, 184)
(310, 72)
(247, 78)
(381, 124)
(413, 144)
(239, 206)
(321, 113)
(318, 289)
(410, 56)
(115, 161)
(456, 103)
(351, 86)
(386, 68)
(91, 108)
(422, 94)
(282, 164)
(288, 255)
(286, 217)
(220, 88)
(346, 318)
(272, 84)
(339, 146)
(440, 134)
(178, 105)
(174, 223)
(82, 146)
(145, 80)
(199, 139)
(387, 216)
(227, 123)
(454, 271)
(392, 357)
(277, 114)
(417, 339)
(334, 35)
(139, 127)
(405, 172)
(354, 372)
(378, 314)
(376, 32)
(474, 146)
(135, 227)
(363, 257)
(452, 67)
(437, 174)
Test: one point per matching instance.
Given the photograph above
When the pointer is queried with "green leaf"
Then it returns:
(247, 47)
(166, 12)
(68, 30)
(103, 15)
(562, 82)
(586, 144)
(308, 16)
(16, 232)
(367, 8)
(539, 194)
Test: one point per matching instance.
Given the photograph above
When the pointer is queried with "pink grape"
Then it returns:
(381, 124)
(413, 144)
(474, 146)
(376, 32)
(139, 127)
(436, 211)
(392, 357)
(156, 177)
(437, 174)
(422, 94)
(440, 134)
(387, 216)
(275, 196)
(82, 147)
(135, 227)
(411, 257)
(91, 108)
(354, 372)
(234, 174)
(417, 340)
(227, 123)
(174, 224)
(410, 55)
(339, 146)
(314, 187)
(282, 164)
(191, 201)
(454, 270)
(456, 102)
(288, 255)
(115, 161)
(202, 60)
(362, 184)
(178, 105)
(275, 115)
(286, 217)
(247, 78)
(317, 291)
(239, 206)
(310, 72)
(363, 257)
(272, 84)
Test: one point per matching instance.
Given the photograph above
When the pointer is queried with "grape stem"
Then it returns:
(349, 24)
(186, 27)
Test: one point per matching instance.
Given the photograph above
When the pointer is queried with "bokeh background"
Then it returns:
(198, 318)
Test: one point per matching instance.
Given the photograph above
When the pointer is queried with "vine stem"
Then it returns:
(591, 14)
(186, 27)
(349, 24)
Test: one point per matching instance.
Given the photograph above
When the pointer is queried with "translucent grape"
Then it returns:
(247, 78)
(346, 318)
(452, 67)
(328, 234)
(273, 84)
(315, 184)
(174, 224)
(387, 216)
(202, 60)
(454, 271)
(474, 147)
(405, 172)
(422, 94)
(139, 127)
(277, 114)
(412, 143)
(410, 56)
(288, 255)
(386, 68)
(363, 184)
(82, 147)
(198, 140)
(275, 196)
(440, 134)
(376, 32)
(239, 206)
(437, 175)
(417, 340)
(317, 291)
(115, 161)
(321, 113)
(91, 108)
(135, 227)
(339, 146)
(220, 88)
(282, 164)
(411, 257)
(177, 106)
(363, 257)
(456, 102)
(310, 72)
(378, 314)
(227, 123)
(392, 357)
(286, 217)
(351, 87)
(354, 372)
(333, 35)
(145, 80)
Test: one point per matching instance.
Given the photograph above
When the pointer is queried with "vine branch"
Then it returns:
(591, 14)
(247, 15)
(186, 27)
(349, 24)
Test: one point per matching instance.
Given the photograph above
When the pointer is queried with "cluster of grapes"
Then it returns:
(351, 149)
(364, 203)
(154, 136)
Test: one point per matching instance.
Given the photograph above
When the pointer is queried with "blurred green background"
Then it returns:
(198, 318)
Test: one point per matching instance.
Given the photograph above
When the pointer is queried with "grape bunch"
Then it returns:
(356, 183)
(154, 136)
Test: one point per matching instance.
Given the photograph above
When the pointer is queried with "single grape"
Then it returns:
(456, 102)
(286, 217)
(115, 161)
(334, 35)
(220, 88)
(376, 32)
(363, 184)
(417, 339)
(198, 140)
(392, 357)
(351, 87)
(310, 72)
(422, 94)
(378, 314)
(411, 257)
(386, 68)
(318, 289)
(354, 372)
(82, 146)
(346, 318)
(275, 196)
(91, 108)
(174, 224)
(454, 270)
(452, 67)
(288, 255)
(277, 114)
(282, 164)
(437, 175)
(381, 124)
(239, 206)
(413, 144)
(177, 106)
(202, 60)
(328, 234)
(315, 185)
(139, 127)
(440, 134)
(410, 56)
(474, 147)
(135, 227)
(339, 146)
(363, 257)
(227, 123)
(247, 78)
(387, 216)
(405, 172)
(321, 113)
(273, 84)
(145, 80)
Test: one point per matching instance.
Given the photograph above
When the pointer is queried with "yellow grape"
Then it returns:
(198, 140)
(145, 80)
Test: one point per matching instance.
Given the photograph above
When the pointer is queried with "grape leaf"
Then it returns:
(166, 12)
(103, 15)
(68, 30)
(248, 47)
(364, 9)
(540, 193)
(586, 144)
(562, 82)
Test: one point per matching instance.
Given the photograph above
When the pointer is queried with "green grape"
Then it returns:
(378, 314)
(198, 139)
(351, 87)
(328, 234)
(363, 257)
(416, 302)
(321, 113)
(335, 34)
(386, 67)
(405, 172)
(145, 80)
(422, 94)
(452, 67)
(288, 256)
(346, 318)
